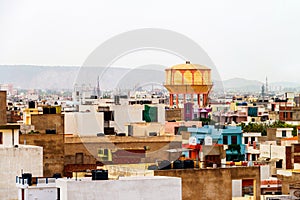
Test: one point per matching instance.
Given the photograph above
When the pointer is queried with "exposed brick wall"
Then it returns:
(59, 155)
(174, 114)
(3, 118)
(13, 116)
(48, 121)
(156, 146)
(53, 151)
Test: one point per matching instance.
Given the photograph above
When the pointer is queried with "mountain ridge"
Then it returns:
(64, 77)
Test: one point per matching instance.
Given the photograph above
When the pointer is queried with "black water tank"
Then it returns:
(109, 130)
(165, 164)
(52, 110)
(27, 176)
(31, 104)
(56, 175)
(99, 174)
(50, 131)
(178, 164)
(152, 167)
(188, 164)
(46, 110)
(152, 133)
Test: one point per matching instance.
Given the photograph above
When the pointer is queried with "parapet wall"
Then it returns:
(206, 184)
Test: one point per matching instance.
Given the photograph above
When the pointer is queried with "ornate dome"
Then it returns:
(188, 65)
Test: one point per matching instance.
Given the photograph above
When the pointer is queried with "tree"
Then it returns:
(262, 128)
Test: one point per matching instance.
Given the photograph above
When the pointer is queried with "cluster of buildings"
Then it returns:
(151, 138)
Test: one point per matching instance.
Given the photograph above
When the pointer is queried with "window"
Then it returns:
(283, 133)
(279, 164)
(252, 140)
(253, 156)
(225, 140)
(246, 139)
(285, 114)
(233, 139)
(1, 139)
(195, 115)
(105, 154)
(291, 115)
(188, 108)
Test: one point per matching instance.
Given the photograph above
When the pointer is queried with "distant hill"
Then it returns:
(38, 77)
(285, 84)
(242, 84)
(64, 77)
(56, 77)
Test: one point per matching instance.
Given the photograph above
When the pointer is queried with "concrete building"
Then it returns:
(53, 151)
(242, 112)
(126, 114)
(276, 134)
(39, 188)
(82, 153)
(295, 156)
(145, 129)
(289, 109)
(84, 123)
(230, 136)
(3, 118)
(14, 159)
(27, 112)
(211, 184)
(48, 123)
(175, 127)
(133, 188)
(8, 88)
(174, 114)
(278, 157)
(250, 140)
(117, 118)
(290, 183)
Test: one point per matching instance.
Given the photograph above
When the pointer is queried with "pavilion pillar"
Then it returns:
(171, 99)
(205, 100)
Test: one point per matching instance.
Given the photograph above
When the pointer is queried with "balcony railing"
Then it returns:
(39, 182)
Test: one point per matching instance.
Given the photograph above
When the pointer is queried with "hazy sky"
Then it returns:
(247, 39)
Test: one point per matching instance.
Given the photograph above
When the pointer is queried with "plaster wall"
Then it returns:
(206, 184)
(28, 159)
(133, 188)
(10, 137)
(84, 124)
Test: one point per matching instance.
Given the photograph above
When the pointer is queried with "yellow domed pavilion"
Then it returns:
(188, 79)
